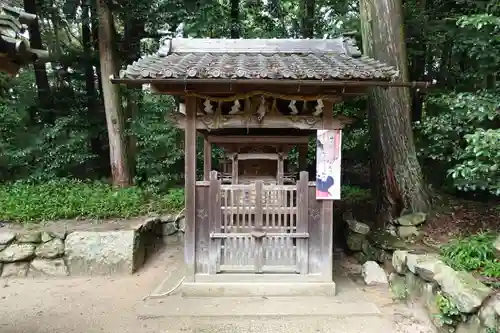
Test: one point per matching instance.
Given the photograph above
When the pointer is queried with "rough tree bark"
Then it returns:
(120, 170)
(94, 20)
(235, 19)
(41, 78)
(95, 111)
(307, 28)
(397, 177)
(134, 31)
(419, 59)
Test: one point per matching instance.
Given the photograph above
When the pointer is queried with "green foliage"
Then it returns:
(173, 201)
(479, 164)
(31, 147)
(68, 199)
(455, 42)
(449, 314)
(353, 194)
(473, 253)
(456, 132)
(449, 118)
(160, 157)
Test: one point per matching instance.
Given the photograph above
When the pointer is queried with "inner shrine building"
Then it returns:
(256, 225)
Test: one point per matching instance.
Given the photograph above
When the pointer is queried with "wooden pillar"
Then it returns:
(327, 210)
(207, 159)
(303, 149)
(235, 168)
(190, 187)
(303, 223)
(281, 169)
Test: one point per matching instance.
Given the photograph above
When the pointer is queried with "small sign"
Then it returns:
(328, 157)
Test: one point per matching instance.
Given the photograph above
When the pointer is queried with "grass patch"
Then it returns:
(473, 254)
(69, 199)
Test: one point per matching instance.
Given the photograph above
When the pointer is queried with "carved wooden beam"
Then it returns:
(210, 122)
(257, 139)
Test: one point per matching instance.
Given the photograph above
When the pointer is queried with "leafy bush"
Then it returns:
(450, 117)
(33, 147)
(457, 132)
(448, 312)
(68, 199)
(474, 253)
(354, 194)
(479, 166)
(160, 149)
(173, 201)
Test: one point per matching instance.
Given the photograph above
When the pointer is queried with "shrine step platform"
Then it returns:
(253, 307)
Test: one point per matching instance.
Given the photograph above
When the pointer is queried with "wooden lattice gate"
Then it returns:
(259, 228)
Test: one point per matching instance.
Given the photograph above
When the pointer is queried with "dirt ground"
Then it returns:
(458, 217)
(80, 305)
(107, 304)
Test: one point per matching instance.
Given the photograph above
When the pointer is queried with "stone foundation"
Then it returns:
(117, 247)
(455, 301)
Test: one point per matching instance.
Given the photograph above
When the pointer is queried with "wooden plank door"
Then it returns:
(257, 228)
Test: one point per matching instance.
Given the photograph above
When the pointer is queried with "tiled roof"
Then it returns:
(13, 24)
(258, 66)
(259, 59)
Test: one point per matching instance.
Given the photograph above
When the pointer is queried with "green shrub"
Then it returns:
(68, 199)
(355, 194)
(479, 167)
(173, 201)
(474, 253)
(459, 132)
(448, 312)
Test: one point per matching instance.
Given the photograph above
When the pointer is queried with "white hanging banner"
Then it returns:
(328, 157)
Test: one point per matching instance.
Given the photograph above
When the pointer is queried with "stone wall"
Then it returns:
(455, 301)
(80, 252)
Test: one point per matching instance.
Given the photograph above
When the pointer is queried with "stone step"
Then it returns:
(212, 307)
(275, 324)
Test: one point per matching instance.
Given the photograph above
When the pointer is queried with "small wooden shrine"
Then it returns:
(255, 227)
(15, 50)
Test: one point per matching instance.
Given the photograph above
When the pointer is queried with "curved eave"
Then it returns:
(19, 50)
(276, 82)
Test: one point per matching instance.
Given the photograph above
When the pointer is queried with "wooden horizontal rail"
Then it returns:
(268, 234)
(269, 188)
(246, 186)
(272, 208)
(259, 156)
(255, 139)
(207, 183)
(276, 269)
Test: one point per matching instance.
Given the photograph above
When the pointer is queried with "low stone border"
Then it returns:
(55, 253)
(378, 245)
(455, 300)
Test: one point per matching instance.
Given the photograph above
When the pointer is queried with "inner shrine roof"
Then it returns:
(288, 59)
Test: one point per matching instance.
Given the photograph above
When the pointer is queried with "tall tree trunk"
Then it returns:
(418, 61)
(134, 31)
(41, 78)
(398, 181)
(120, 170)
(307, 28)
(491, 81)
(94, 19)
(445, 63)
(235, 19)
(95, 112)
